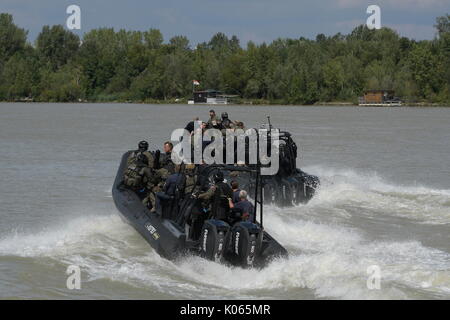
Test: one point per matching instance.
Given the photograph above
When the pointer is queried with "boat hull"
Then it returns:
(169, 238)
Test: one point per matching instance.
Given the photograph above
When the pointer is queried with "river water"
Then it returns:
(384, 201)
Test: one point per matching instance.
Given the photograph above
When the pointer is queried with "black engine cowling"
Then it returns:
(213, 239)
(245, 244)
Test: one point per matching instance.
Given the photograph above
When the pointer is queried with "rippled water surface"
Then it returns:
(384, 200)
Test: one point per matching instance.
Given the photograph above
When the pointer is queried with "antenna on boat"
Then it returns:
(258, 193)
(268, 120)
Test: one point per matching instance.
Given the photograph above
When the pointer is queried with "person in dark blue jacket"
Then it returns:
(247, 208)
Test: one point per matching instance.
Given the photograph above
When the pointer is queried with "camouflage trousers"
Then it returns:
(150, 200)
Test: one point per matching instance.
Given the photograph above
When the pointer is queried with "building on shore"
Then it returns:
(380, 98)
(210, 97)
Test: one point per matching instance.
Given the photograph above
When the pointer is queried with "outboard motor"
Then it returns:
(245, 244)
(273, 190)
(307, 186)
(288, 193)
(213, 239)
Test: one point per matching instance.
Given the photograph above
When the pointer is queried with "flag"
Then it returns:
(195, 83)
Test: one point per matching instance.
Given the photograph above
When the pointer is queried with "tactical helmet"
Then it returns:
(224, 115)
(143, 146)
(218, 177)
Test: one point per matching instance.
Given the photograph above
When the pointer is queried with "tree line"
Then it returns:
(109, 65)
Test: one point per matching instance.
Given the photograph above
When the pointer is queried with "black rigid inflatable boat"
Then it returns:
(171, 232)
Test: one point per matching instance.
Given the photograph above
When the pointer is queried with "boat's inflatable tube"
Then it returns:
(165, 236)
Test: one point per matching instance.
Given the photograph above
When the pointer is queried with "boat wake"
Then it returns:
(370, 194)
(329, 255)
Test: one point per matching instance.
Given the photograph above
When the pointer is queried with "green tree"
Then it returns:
(63, 85)
(20, 76)
(425, 69)
(133, 65)
(12, 38)
(334, 76)
(57, 45)
(443, 24)
(153, 39)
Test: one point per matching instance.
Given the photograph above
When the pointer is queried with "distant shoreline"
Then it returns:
(241, 103)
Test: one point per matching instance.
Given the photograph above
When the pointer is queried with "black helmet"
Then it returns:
(143, 146)
(142, 159)
(224, 115)
(218, 177)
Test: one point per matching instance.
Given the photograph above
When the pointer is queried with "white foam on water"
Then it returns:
(330, 260)
(372, 194)
(327, 258)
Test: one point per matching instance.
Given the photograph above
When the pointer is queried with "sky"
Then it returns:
(251, 20)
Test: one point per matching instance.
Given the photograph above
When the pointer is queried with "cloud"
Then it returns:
(257, 20)
(413, 5)
(414, 31)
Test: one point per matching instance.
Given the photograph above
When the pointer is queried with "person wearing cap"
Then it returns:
(214, 122)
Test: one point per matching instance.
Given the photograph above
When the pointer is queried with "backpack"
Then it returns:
(133, 177)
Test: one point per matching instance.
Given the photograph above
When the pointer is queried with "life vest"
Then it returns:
(133, 177)
(132, 159)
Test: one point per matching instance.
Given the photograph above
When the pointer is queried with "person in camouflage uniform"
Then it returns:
(138, 176)
(191, 178)
(214, 122)
(142, 149)
(239, 125)
(216, 197)
(161, 172)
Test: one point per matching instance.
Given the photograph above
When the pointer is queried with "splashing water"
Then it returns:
(330, 249)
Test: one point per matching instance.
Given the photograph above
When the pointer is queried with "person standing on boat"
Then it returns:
(214, 122)
(222, 195)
